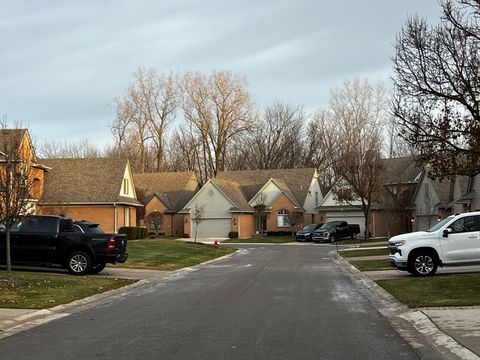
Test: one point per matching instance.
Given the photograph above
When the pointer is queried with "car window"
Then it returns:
(310, 227)
(77, 229)
(465, 224)
(39, 225)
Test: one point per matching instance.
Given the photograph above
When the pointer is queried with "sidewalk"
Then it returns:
(455, 328)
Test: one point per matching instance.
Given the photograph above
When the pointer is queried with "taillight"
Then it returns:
(111, 244)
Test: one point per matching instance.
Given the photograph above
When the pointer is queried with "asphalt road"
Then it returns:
(266, 302)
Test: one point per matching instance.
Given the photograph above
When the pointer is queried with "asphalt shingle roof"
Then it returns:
(175, 189)
(295, 182)
(90, 180)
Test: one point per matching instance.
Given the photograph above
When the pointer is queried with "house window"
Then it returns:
(127, 216)
(282, 218)
(316, 197)
(125, 186)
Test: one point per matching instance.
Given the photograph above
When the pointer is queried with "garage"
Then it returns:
(212, 228)
(351, 217)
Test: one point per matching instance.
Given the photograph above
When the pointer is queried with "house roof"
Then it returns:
(234, 193)
(294, 182)
(174, 189)
(85, 180)
(400, 170)
(6, 136)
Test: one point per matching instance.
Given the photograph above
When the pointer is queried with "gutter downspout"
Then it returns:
(115, 218)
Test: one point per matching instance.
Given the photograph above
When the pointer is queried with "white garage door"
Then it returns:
(351, 218)
(212, 228)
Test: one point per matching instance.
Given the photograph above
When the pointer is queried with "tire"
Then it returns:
(98, 267)
(353, 236)
(331, 238)
(79, 263)
(423, 263)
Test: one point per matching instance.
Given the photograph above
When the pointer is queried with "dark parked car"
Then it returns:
(335, 230)
(306, 233)
(81, 247)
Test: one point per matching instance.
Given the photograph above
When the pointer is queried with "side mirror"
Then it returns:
(446, 232)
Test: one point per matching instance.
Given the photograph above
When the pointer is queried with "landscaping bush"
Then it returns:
(279, 233)
(142, 232)
(134, 232)
(130, 231)
(233, 235)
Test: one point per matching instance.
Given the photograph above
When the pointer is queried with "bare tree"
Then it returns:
(428, 204)
(198, 217)
(144, 114)
(219, 110)
(277, 138)
(354, 141)
(80, 149)
(16, 183)
(437, 88)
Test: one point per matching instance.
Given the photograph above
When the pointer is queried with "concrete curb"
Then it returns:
(391, 307)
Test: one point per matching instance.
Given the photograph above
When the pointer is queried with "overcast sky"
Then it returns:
(62, 62)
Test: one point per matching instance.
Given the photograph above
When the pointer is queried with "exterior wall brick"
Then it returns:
(247, 225)
(282, 202)
(104, 215)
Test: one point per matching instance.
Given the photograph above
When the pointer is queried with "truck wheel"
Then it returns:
(79, 263)
(98, 267)
(423, 263)
(353, 236)
(331, 238)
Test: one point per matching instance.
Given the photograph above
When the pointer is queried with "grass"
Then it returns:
(263, 240)
(34, 290)
(440, 290)
(362, 241)
(366, 252)
(371, 265)
(168, 254)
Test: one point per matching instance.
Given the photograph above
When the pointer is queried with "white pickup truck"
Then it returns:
(454, 241)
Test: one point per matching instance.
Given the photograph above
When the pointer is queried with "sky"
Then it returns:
(63, 62)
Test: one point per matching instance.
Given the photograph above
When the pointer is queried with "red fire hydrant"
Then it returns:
(215, 244)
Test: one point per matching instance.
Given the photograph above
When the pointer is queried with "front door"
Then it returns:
(463, 242)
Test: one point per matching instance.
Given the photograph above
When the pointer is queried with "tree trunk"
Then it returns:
(9, 258)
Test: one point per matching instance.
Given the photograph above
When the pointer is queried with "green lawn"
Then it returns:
(265, 239)
(362, 241)
(371, 265)
(366, 252)
(439, 290)
(169, 254)
(35, 290)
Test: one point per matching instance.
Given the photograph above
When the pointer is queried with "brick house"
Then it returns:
(254, 201)
(101, 190)
(165, 195)
(18, 141)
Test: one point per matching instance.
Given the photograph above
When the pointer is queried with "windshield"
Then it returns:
(329, 226)
(310, 227)
(440, 224)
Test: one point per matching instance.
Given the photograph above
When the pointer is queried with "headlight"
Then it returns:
(399, 243)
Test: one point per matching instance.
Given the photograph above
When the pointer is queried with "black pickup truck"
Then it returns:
(81, 247)
(334, 230)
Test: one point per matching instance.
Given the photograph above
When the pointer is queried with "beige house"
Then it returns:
(166, 194)
(100, 190)
(255, 201)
